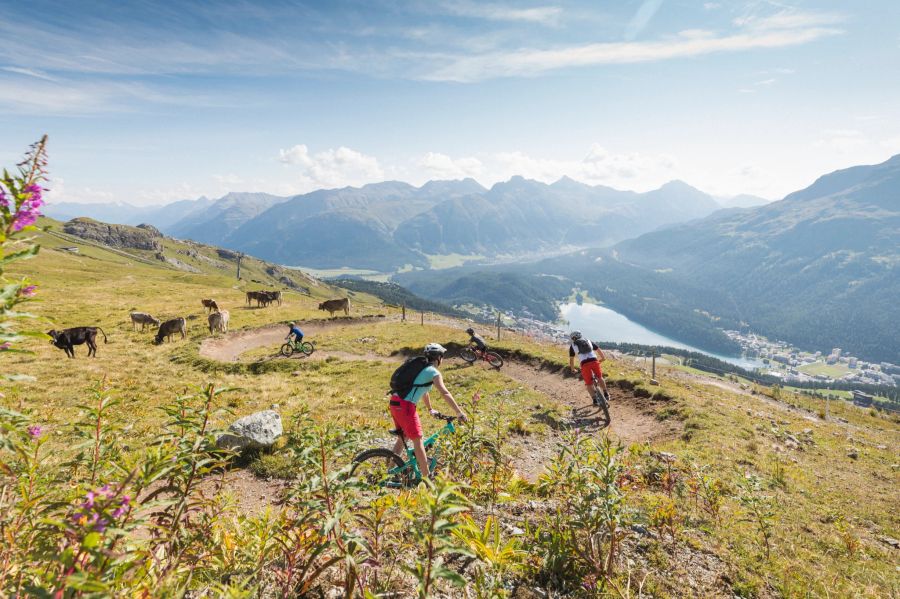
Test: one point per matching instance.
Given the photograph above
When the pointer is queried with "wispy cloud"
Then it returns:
(547, 15)
(28, 73)
(642, 18)
(761, 33)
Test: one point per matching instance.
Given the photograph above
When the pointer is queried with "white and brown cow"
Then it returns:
(218, 321)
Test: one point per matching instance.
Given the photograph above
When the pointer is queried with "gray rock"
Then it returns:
(256, 431)
(852, 453)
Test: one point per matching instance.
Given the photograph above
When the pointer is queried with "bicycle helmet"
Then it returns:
(434, 350)
(292, 324)
(470, 331)
(575, 335)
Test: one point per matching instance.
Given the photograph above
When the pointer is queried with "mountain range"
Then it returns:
(386, 226)
(818, 268)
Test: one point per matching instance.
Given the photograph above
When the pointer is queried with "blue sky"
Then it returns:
(149, 102)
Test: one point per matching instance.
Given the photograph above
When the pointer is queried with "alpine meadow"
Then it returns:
(473, 300)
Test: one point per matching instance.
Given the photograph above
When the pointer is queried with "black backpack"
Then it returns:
(403, 379)
(583, 345)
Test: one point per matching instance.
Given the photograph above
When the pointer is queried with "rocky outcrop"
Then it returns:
(256, 431)
(144, 237)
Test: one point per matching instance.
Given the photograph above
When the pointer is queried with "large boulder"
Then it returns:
(256, 431)
(118, 236)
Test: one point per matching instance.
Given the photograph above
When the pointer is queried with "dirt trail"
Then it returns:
(633, 418)
(229, 347)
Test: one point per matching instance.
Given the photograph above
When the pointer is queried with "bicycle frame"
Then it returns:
(411, 461)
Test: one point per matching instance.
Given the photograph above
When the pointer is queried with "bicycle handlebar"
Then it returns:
(440, 416)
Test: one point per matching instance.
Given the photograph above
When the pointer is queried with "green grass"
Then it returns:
(830, 370)
(731, 435)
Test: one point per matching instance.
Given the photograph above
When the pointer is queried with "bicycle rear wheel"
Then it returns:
(381, 467)
(493, 359)
(287, 350)
(468, 354)
(307, 348)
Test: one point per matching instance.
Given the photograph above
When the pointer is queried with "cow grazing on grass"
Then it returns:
(67, 339)
(143, 319)
(210, 305)
(218, 321)
(169, 328)
(336, 305)
(264, 298)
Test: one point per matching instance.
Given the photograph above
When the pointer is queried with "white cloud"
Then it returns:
(842, 141)
(765, 82)
(28, 73)
(441, 166)
(642, 17)
(333, 167)
(547, 15)
(780, 30)
(711, 5)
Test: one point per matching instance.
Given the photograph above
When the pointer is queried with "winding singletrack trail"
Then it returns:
(633, 418)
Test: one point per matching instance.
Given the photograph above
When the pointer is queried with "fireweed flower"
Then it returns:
(4, 346)
(35, 432)
(28, 291)
(28, 211)
(3, 201)
(93, 512)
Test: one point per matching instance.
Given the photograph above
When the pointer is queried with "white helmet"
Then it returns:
(575, 335)
(434, 350)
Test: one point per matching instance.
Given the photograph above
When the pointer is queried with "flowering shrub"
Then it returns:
(20, 202)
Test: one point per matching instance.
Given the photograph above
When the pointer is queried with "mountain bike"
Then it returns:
(599, 398)
(291, 347)
(471, 353)
(382, 467)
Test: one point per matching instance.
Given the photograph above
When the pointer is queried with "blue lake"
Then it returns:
(603, 324)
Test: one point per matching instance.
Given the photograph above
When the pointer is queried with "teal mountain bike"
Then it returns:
(292, 347)
(382, 467)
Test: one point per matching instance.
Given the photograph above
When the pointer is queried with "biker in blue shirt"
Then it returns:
(296, 332)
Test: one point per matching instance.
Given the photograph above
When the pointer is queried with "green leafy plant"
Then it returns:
(20, 203)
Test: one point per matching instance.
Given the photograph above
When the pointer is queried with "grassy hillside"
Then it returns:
(716, 491)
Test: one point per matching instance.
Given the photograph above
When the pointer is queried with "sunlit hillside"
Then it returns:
(699, 487)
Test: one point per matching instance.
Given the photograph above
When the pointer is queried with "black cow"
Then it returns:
(169, 328)
(67, 339)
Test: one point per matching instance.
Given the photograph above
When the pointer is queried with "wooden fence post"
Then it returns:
(403, 316)
(423, 318)
(498, 325)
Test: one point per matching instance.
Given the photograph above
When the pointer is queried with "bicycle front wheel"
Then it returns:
(493, 359)
(307, 348)
(286, 350)
(381, 467)
(468, 355)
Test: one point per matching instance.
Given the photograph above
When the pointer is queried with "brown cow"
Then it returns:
(143, 319)
(336, 305)
(210, 305)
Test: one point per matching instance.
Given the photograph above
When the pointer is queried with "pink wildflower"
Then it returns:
(35, 432)
(4, 346)
(28, 291)
(3, 201)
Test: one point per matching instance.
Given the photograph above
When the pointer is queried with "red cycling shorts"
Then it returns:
(406, 418)
(587, 368)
